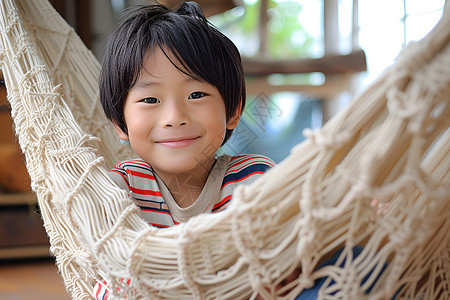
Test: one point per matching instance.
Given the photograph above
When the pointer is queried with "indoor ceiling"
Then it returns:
(209, 7)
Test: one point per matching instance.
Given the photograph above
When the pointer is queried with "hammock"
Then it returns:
(371, 188)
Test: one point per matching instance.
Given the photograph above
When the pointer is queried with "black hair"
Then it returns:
(200, 49)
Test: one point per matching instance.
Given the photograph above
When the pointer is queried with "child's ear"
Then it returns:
(122, 135)
(234, 120)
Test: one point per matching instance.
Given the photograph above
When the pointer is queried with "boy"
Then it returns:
(173, 86)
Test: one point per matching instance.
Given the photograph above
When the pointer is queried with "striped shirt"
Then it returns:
(157, 204)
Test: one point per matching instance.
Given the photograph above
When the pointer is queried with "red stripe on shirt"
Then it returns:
(265, 159)
(246, 165)
(159, 225)
(233, 170)
(225, 200)
(140, 174)
(145, 192)
(98, 291)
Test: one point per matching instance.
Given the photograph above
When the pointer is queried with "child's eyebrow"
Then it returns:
(148, 82)
(145, 84)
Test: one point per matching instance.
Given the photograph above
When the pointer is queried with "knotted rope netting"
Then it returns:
(374, 178)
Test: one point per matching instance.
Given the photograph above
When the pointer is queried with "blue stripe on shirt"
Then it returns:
(245, 172)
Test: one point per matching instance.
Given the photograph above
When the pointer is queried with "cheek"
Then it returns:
(216, 125)
(216, 114)
(138, 123)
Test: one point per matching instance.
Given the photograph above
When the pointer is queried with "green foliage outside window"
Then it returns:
(287, 38)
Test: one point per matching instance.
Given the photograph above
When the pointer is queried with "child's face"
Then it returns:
(175, 123)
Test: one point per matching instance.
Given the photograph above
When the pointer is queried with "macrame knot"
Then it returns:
(13, 20)
(83, 258)
(363, 186)
(102, 240)
(412, 57)
(404, 235)
(86, 139)
(307, 234)
(57, 90)
(398, 104)
(70, 197)
(326, 142)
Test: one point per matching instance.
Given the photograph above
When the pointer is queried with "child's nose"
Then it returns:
(175, 115)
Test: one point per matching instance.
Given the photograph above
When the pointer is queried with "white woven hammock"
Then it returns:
(376, 176)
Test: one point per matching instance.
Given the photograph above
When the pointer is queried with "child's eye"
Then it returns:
(150, 100)
(197, 95)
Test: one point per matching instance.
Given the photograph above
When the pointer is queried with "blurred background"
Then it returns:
(305, 60)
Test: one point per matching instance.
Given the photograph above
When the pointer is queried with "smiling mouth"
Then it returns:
(177, 142)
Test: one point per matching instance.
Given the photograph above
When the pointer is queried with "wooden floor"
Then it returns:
(31, 279)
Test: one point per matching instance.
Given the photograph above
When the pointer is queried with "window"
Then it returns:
(386, 26)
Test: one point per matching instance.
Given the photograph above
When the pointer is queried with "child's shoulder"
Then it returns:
(244, 169)
(255, 162)
(129, 172)
(136, 163)
(249, 159)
